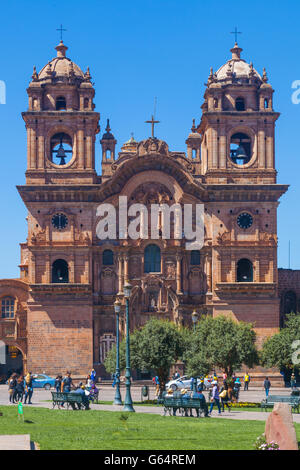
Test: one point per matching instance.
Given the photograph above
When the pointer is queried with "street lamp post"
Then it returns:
(128, 405)
(194, 319)
(118, 398)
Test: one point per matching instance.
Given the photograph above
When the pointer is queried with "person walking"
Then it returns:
(157, 384)
(57, 383)
(236, 388)
(293, 381)
(267, 386)
(246, 381)
(223, 394)
(28, 388)
(66, 385)
(215, 398)
(12, 385)
(93, 376)
(20, 389)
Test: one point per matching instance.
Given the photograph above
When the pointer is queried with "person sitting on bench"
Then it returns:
(85, 399)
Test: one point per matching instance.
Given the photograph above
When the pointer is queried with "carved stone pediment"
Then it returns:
(152, 145)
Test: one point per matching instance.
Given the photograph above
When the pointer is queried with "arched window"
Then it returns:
(61, 103)
(216, 102)
(195, 257)
(86, 103)
(8, 307)
(61, 148)
(108, 154)
(244, 271)
(240, 148)
(266, 103)
(60, 271)
(152, 261)
(108, 258)
(240, 104)
(194, 153)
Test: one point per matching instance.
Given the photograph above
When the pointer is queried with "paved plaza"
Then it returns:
(42, 399)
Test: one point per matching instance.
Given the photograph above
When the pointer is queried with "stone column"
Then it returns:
(126, 268)
(120, 274)
(178, 273)
(32, 277)
(261, 149)
(223, 149)
(48, 270)
(89, 155)
(208, 272)
(214, 148)
(80, 148)
(256, 271)
(41, 151)
(72, 269)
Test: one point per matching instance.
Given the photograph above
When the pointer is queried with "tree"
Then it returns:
(221, 343)
(157, 346)
(280, 350)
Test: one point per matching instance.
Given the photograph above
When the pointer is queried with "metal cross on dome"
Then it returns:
(61, 29)
(236, 32)
(152, 122)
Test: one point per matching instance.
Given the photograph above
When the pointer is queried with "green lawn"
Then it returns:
(62, 429)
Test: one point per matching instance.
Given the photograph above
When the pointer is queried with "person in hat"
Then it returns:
(236, 387)
(215, 398)
(81, 390)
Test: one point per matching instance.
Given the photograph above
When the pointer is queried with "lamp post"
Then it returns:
(118, 398)
(128, 405)
(194, 319)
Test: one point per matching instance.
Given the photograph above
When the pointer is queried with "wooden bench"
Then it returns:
(172, 404)
(272, 399)
(70, 398)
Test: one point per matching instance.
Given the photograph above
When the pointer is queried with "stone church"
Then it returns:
(59, 314)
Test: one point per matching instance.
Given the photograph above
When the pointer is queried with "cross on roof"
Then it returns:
(61, 29)
(235, 32)
(152, 122)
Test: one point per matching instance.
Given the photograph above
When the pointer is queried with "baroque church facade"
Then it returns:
(59, 315)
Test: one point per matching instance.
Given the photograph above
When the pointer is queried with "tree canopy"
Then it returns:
(280, 350)
(221, 343)
(157, 346)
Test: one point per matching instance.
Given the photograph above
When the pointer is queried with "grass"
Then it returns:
(92, 430)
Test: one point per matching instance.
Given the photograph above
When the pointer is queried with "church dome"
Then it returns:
(61, 67)
(236, 68)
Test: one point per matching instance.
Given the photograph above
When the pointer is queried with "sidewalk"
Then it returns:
(15, 442)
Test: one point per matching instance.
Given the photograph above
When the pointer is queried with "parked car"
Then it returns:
(185, 382)
(42, 381)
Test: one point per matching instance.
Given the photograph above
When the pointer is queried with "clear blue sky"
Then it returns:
(136, 50)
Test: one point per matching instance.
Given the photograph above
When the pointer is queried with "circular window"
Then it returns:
(59, 221)
(245, 220)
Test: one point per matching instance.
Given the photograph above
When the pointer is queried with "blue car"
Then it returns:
(42, 381)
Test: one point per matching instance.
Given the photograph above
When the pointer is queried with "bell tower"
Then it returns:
(238, 124)
(61, 124)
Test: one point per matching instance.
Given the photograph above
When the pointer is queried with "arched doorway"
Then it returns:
(11, 360)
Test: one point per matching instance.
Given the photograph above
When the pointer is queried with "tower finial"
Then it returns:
(264, 77)
(61, 49)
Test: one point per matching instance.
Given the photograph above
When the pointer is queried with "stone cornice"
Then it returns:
(63, 288)
(247, 288)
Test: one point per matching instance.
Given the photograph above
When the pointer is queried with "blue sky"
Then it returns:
(137, 50)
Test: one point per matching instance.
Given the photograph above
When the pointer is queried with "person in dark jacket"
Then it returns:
(12, 385)
(28, 388)
(85, 398)
(267, 385)
(20, 389)
(57, 383)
